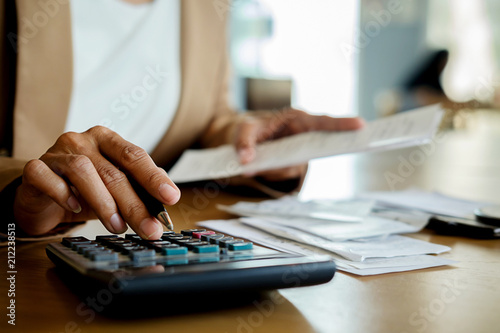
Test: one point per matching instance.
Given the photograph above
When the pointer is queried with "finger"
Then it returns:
(82, 174)
(38, 175)
(297, 121)
(325, 123)
(137, 163)
(130, 205)
(246, 140)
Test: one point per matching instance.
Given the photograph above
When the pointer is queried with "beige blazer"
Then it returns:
(43, 79)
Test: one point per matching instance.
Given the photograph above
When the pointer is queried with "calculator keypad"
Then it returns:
(189, 246)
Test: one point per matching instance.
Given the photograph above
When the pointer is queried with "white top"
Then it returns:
(126, 68)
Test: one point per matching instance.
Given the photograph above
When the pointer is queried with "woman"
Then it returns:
(67, 56)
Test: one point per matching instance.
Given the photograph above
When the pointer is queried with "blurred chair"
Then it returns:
(267, 94)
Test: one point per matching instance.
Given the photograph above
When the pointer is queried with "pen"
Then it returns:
(155, 207)
(449, 225)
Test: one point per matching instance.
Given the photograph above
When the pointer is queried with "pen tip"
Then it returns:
(165, 220)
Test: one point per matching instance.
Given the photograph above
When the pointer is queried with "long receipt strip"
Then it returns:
(402, 130)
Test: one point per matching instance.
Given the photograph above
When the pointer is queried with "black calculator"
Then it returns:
(192, 262)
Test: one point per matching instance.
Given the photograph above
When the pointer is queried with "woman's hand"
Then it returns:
(84, 176)
(263, 126)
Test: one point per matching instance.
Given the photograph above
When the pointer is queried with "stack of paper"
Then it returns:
(360, 243)
(367, 257)
(331, 222)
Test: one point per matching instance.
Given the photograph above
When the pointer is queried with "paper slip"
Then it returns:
(291, 206)
(422, 201)
(380, 247)
(325, 218)
(370, 226)
(402, 130)
(407, 264)
(367, 267)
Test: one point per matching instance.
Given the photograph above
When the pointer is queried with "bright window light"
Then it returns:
(306, 46)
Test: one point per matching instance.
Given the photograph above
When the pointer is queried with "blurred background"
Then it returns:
(370, 58)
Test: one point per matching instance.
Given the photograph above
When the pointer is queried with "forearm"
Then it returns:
(10, 169)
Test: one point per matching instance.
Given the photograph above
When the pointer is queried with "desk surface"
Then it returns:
(459, 298)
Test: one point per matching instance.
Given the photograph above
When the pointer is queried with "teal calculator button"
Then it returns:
(239, 246)
(206, 249)
(174, 250)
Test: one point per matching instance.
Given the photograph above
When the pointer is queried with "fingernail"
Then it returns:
(74, 205)
(117, 223)
(169, 194)
(149, 228)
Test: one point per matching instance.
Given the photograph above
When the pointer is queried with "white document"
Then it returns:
(370, 226)
(402, 130)
(422, 201)
(354, 250)
(366, 267)
(291, 206)
(394, 265)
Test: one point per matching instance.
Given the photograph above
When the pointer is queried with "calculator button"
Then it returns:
(126, 249)
(183, 242)
(174, 250)
(89, 250)
(240, 246)
(206, 249)
(199, 234)
(116, 244)
(216, 241)
(156, 244)
(225, 243)
(159, 242)
(172, 235)
(189, 232)
(180, 240)
(106, 255)
(191, 245)
(150, 243)
(158, 247)
(142, 254)
(69, 241)
(81, 247)
(133, 237)
(105, 237)
(76, 246)
(211, 236)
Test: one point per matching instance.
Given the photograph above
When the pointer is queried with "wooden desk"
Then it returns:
(460, 298)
